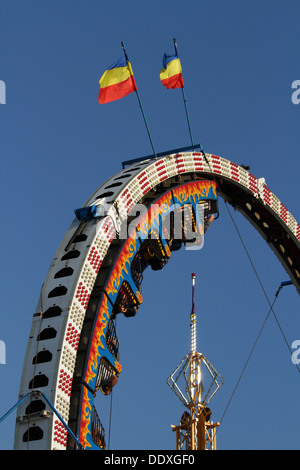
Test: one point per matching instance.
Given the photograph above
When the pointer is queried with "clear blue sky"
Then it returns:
(57, 145)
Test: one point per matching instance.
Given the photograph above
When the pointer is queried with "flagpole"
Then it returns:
(140, 103)
(184, 99)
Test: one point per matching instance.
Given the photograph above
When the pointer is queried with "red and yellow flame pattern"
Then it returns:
(85, 419)
(122, 266)
(203, 188)
(98, 340)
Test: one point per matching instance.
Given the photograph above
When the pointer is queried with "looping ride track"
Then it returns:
(73, 348)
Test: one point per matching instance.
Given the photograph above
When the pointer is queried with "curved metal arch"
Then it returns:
(65, 303)
(147, 240)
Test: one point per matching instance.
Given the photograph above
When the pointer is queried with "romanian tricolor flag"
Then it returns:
(171, 73)
(117, 81)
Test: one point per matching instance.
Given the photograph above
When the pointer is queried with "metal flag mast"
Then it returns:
(140, 103)
(196, 431)
(184, 98)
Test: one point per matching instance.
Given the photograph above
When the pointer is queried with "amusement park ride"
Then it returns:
(196, 431)
(133, 221)
(96, 274)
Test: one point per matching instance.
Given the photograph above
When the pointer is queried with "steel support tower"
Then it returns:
(195, 431)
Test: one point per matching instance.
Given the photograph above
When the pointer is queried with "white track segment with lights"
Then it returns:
(96, 274)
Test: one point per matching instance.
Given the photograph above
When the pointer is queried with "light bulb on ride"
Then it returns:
(200, 384)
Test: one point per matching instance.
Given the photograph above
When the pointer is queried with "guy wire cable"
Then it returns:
(245, 248)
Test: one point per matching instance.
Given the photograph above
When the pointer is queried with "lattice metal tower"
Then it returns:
(195, 431)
